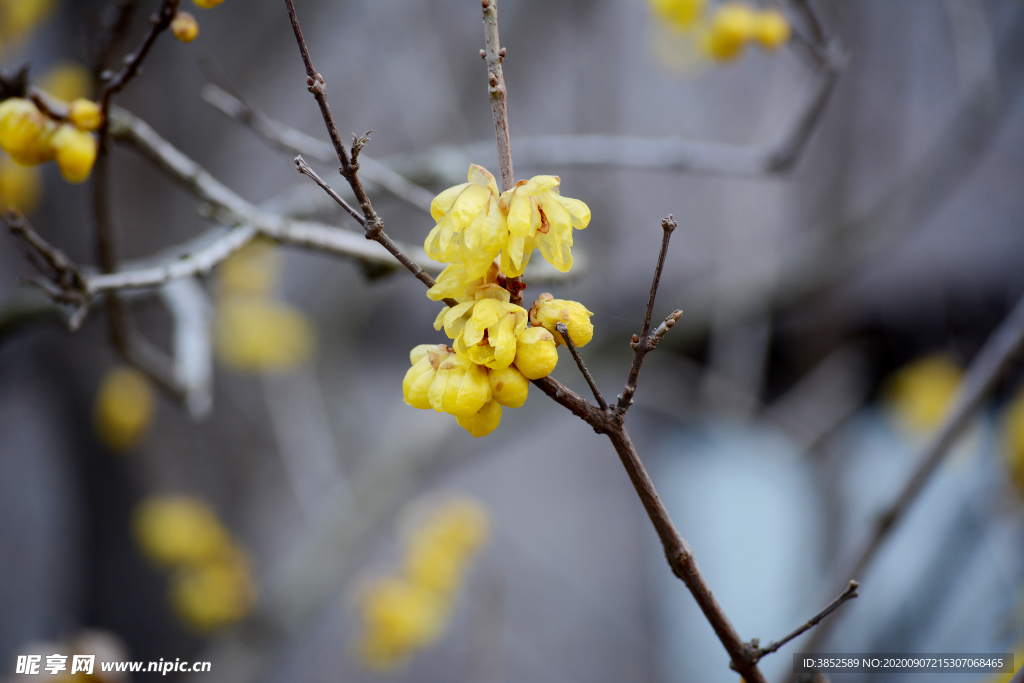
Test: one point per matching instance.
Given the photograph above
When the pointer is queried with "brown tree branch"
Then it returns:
(1000, 350)
(643, 343)
(848, 594)
(563, 330)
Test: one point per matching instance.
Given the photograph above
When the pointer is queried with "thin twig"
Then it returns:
(642, 344)
(316, 85)
(849, 594)
(296, 142)
(304, 169)
(563, 330)
(991, 363)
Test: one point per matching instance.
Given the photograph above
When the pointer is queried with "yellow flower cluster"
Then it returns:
(123, 409)
(255, 331)
(211, 585)
(497, 346)
(32, 137)
(404, 612)
(724, 31)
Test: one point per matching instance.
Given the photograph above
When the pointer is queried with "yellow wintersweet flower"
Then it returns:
(680, 13)
(254, 334)
(124, 408)
(212, 595)
(20, 186)
(176, 530)
(25, 132)
(731, 27)
(508, 386)
(398, 617)
(922, 392)
(254, 269)
(484, 421)
(85, 114)
(75, 152)
(470, 227)
(485, 329)
(536, 353)
(445, 381)
(538, 216)
(547, 311)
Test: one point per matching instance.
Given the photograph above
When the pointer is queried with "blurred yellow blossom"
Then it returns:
(124, 408)
(678, 13)
(19, 17)
(207, 4)
(729, 30)
(921, 393)
(1013, 440)
(213, 594)
(407, 611)
(254, 334)
(67, 81)
(85, 114)
(173, 530)
(185, 27)
(20, 186)
(75, 152)
(253, 269)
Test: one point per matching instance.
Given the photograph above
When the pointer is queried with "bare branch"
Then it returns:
(494, 54)
(991, 363)
(644, 343)
(304, 169)
(293, 142)
(563, 330)
(849, 594)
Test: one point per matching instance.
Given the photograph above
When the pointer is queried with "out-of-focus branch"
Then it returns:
(991, 363)
(192, 342)
(113, 24)
(849, 594)
(293, 142)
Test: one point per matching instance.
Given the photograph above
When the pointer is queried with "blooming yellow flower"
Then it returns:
(508, 386)
(445, 381)
(175, 530)
(485, 329)
(425, 360)
(484, 421)
(124, 408)
(536, 353)
(548, 311)
(731, 27)
(538, 216)
(470, 227)
(75, 152)
(25, 132)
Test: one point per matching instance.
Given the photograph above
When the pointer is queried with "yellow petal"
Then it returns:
(579, 211)
(484, 422)
(443, 202)
(508, 386)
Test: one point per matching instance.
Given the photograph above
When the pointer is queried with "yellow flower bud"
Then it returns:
(124, 408)
(485, 421)
(425, 360)
(174, 530)
(536, 353)
(547, 311)
(460, 387)
(75, 151)
(508, 386)
(20, 186)
(85, 114)
(25, 132)
(185, 27)
(731, 27)
(207, 4)
(771, 29)
(682, 13)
